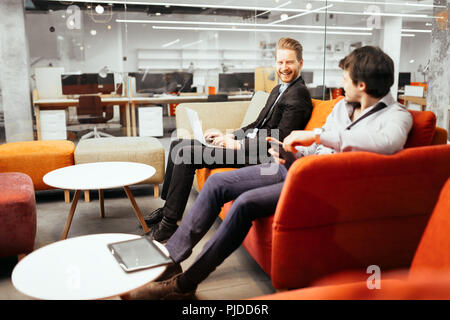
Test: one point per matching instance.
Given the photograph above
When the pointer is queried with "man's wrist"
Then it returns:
(317, 133)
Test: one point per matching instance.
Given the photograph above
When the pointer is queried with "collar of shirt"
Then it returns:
(387, 99)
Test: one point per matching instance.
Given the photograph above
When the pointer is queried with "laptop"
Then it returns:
(196, 126)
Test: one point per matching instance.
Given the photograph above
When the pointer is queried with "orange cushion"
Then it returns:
(321, 110)
(36, 158)
(433, 287)
(422, 132)
(433, 252)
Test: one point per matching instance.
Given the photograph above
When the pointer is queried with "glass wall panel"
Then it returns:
(177, 52)
(402, 29)
(135, 52)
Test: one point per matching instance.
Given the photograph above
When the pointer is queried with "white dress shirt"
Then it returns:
(384, 131)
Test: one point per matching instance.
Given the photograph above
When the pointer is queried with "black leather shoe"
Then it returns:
(172, 270)
(154, 217)
(162, 231)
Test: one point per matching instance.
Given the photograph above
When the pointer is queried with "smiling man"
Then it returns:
(288, 108)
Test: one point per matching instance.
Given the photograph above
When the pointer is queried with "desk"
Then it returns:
(79, 268)
(166, 99)
(417, 100)
(58, 104)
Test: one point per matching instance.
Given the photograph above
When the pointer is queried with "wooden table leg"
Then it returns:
(101, 198)
(86, 196)
(66, 196)
(127, 117)
(38, 122)
(71, 213)
(133, 119)
(136, 209)
(156, 191)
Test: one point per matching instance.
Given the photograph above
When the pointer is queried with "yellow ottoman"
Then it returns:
(36, 158)
(145, 150)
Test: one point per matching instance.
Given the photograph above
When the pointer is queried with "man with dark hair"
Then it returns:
(360, 122)
(288, 108)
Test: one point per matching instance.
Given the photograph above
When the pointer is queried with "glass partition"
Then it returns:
(139, 54)
(402, 29)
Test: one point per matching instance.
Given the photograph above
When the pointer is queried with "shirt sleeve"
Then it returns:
(386, 140)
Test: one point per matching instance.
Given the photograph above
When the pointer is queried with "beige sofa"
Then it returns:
(223, 116)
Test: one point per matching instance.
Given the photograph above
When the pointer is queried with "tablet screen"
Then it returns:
(138, 254)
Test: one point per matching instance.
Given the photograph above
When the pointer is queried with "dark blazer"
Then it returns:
(291, 112)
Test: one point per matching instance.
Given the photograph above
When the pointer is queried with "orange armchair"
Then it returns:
(353, 210)
(427, 278)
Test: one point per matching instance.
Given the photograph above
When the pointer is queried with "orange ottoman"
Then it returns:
(17, 214)
(36, 158)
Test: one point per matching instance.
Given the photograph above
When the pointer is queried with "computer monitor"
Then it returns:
(162, 82)
(87, 83)
(404, 79)
(229, 82)
(308, 76)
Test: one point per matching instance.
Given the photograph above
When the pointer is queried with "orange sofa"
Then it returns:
(427, 278)
(350, 210)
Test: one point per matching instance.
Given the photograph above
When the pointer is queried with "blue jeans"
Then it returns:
(256, 196)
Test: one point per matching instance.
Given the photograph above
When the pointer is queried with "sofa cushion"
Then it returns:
(422, 132)
(321, 110)
(256, 105)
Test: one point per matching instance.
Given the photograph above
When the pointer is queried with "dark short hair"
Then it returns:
(373, 67)
(291, 44)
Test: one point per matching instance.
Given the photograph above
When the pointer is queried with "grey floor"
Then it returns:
(239, 277)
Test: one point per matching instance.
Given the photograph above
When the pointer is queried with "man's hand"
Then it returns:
(227, 141)
(298, 138)
(276, 156)
(210, 136)
(274, 151)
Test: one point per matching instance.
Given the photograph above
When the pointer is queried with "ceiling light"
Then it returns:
(93, 32)
(382, 14)
(428, 24)
(302, 14)
(158, 13)
(411, 61)
(408, 35)
(384, 3)
(192, 44)
(244, 24)
(308, 6)
(277, 7)
(417, 30)
(284, 16)
(109, 27)
(99, 9)
(170, 43)
(263, 30)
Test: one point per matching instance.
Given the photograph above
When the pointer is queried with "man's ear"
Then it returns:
(301, 63)
(362, 86)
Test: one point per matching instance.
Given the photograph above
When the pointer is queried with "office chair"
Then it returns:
(90, 110)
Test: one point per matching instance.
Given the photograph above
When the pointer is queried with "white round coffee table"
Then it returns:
(99, 176)
(79, 268)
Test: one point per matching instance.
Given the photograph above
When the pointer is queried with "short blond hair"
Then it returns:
(291, 44)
